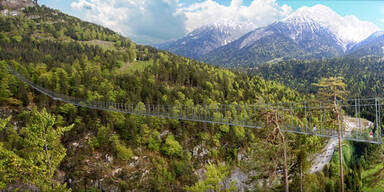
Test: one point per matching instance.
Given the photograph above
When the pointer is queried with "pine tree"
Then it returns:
(271, 150)
(333, 89)
(40, 155)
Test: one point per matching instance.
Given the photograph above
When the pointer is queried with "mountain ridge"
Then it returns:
(206, 38)
(280, 40)
(311, 32)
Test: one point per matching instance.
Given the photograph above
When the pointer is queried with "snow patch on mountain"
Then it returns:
(376, 34)
(254, 36)
(374, 37)
(348, 29)
(227, 30)
(207, 38)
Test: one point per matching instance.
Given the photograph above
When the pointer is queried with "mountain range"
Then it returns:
(207, 38)
(309, 32)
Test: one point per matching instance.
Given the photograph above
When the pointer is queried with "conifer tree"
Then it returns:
(332, 90)
(40, 154)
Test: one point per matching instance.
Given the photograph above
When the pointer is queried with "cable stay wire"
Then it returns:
(307, 117)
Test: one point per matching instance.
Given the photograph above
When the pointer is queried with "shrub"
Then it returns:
(154, 141)
(122, 152)
(171, 147)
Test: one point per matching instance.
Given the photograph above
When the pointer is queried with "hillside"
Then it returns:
(279, 41)
(13, 4)
(203, 40)
(118, 152)
(372, 46)
(308, 33)
(363, 76)
(44, 144)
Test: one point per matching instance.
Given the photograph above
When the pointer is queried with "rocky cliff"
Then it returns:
(16, 4)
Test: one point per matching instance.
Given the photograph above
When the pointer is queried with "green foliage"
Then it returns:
(39, 154)
(17, 38)
(154, 141)
(103, 134)
(3, 123)
(239, 131)
(5, 93)
(172, 147)
(213, 180)
(93, 143)
(224, 128)
(123, 153)
(68, 109)
(331, 88)
(84, 60)
(140, 107)
(363, 76)
(162, 177)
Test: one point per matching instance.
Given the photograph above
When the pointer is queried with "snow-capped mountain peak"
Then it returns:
(372, 38)
(348, 29)
(377, 34)
(318, 12)
(226, 27)
(206, 38)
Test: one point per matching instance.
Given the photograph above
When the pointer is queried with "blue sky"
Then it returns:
(156, 21)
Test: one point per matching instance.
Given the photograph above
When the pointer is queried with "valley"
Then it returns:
(309, 33)
(227, 107)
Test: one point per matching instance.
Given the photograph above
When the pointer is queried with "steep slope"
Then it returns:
(113, 151)
(206, 38)
(117, 152)
(372, 46)
(349, 30)
(313, 32)
(294, 39)
(364, 76)
(16, 4)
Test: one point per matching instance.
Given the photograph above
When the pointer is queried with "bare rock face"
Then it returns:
(17, 4)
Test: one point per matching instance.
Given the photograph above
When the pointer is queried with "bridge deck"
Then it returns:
(309, 118)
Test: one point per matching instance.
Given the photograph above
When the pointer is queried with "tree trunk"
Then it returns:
(339, 142)
(301, 177)
(285, 164)
(340, 159)
(286, 182)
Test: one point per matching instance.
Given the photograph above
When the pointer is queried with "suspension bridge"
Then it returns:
(309, 118)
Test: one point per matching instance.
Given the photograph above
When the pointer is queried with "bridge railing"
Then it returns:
(362, 117)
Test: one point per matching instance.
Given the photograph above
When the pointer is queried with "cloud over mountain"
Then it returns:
(348, 29)
(156, 21)
(145, 21)
(259, 13)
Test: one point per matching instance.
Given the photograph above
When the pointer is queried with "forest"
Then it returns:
(53, 146)
(363, 75)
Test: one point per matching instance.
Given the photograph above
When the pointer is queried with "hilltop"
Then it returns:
(17, 4)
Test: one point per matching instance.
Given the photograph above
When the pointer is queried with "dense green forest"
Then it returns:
(45, 144)
(363, 76)
(364, 79)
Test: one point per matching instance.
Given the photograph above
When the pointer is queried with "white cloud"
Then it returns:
(349, 29)
(259, 13)
(82, 4)
(144, 21)
(156, 21)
